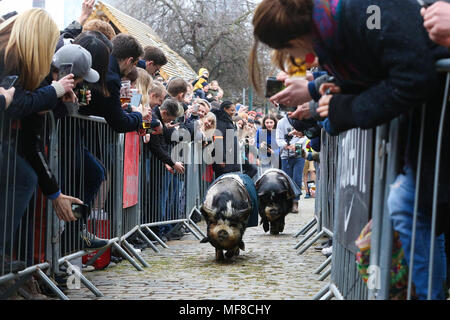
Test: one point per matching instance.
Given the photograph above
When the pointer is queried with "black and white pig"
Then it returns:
(226, 209)
(276, 199)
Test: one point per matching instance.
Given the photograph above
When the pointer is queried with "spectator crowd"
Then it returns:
(89, 70)
(367, 75)
(336, 79)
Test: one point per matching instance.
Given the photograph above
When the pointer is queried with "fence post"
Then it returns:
(52, 220)
(379, 183)
(118, 186)
(386, 228)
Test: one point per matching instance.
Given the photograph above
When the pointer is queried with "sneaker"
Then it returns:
(91, 242)
(307, 196)
(327, 251)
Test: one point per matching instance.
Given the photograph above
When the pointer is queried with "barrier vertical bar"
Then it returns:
(118, 186)
(379, 183)
(386, 228)
(436, 184)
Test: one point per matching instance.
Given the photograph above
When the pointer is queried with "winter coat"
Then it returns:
(224, 123)
(110, 107)
(159, 145)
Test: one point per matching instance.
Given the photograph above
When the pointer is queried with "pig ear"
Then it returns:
(205, 240)
(207, 214)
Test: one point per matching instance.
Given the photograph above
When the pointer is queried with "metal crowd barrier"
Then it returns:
(127, 189)
(25, 231)
(346, 282)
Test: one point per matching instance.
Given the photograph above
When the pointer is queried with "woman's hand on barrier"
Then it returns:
(147, 138)
(437, 22)
(301, 113)
(324, 106)
(67, 82)
(179, 167)
(63, 207)
(8, 94)
(295, 94)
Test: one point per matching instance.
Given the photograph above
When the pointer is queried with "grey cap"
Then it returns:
(81, 60)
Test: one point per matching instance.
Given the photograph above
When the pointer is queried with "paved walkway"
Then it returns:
(269, 269)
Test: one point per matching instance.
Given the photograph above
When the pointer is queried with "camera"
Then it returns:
(286, 108)
(80, 211)
(273, 86)
(288, 138)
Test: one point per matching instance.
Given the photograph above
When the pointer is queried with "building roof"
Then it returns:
(176, 66)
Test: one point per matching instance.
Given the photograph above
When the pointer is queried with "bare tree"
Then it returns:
(215, 34)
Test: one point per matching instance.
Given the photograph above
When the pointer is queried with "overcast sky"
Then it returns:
(54, 7)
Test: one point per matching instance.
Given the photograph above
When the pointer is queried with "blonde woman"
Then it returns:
(27, 44)
(144, 84)
(206, 127)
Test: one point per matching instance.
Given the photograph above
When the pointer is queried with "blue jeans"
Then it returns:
(17, 186)
(401, 209)
(294, 169)
(166, 198)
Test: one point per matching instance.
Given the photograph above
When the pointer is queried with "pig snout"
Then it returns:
(223, 235)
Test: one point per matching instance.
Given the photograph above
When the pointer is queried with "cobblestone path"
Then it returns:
(269, 269)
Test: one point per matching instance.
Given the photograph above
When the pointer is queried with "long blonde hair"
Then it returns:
(31, 46)
(144, 84)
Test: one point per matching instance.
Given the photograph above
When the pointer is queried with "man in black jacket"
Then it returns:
(227, 129)
(152, 60)
(168, 112)
(124, 57)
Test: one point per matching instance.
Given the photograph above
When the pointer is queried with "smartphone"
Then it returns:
(273, 86)
(286, 108)
(64, 70)
(8, 82)
(136, 100)
(80, 211)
